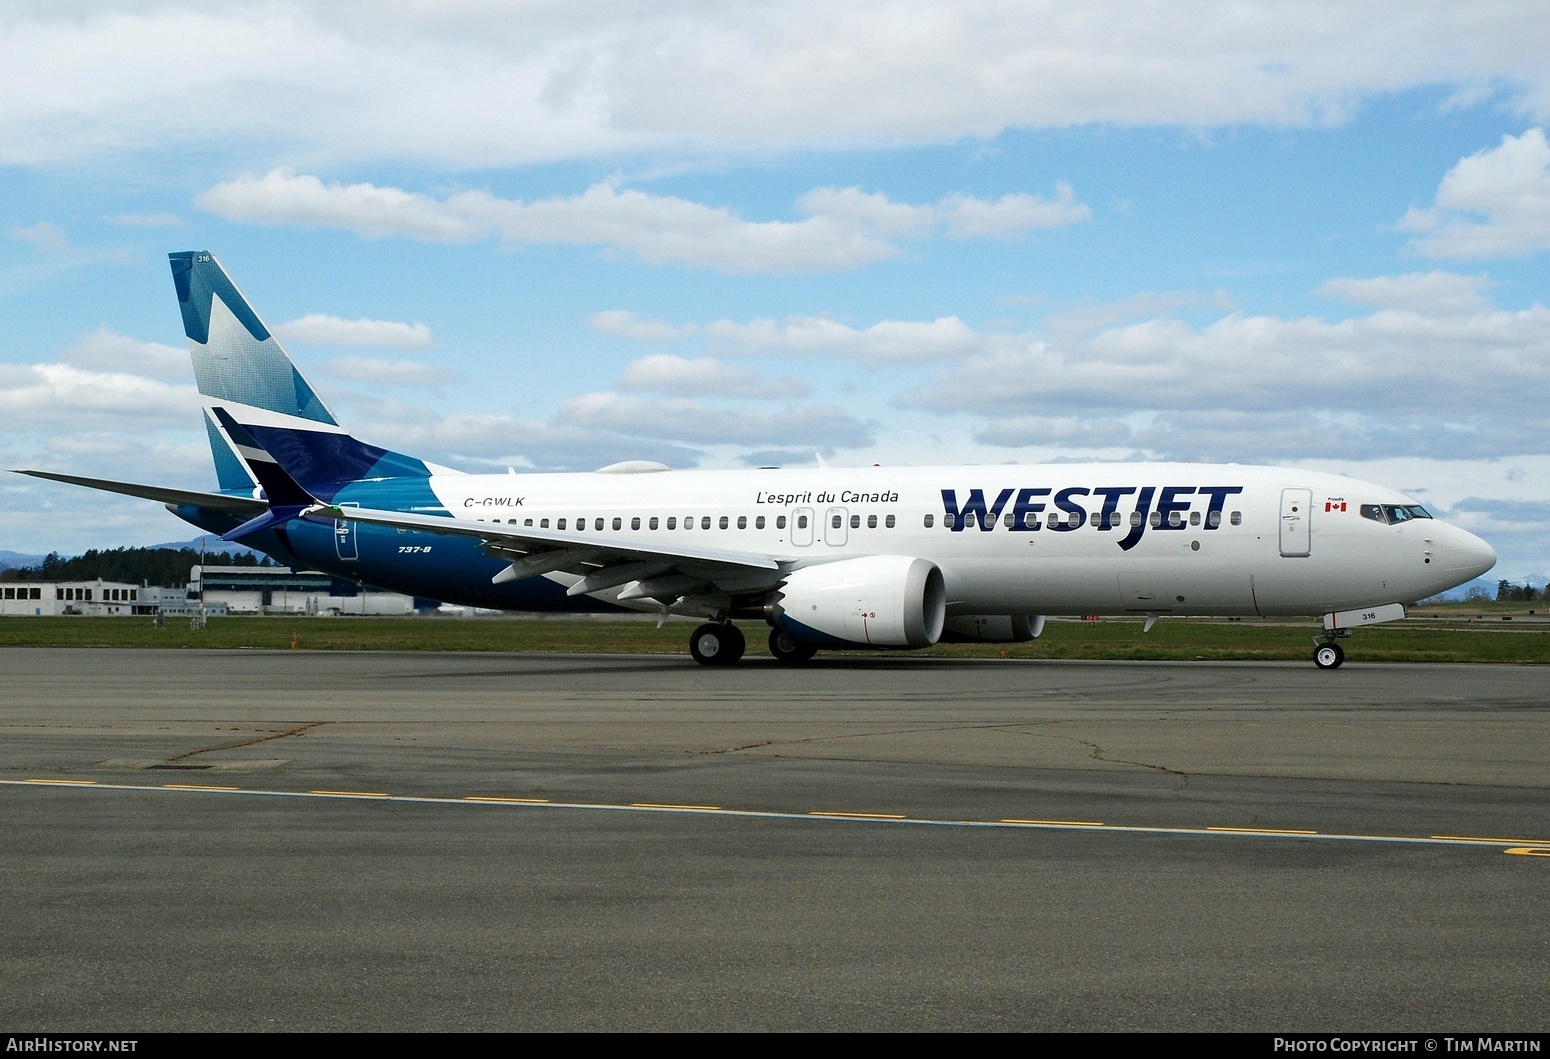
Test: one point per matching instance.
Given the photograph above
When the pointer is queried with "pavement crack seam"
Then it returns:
(1097, 755)
(862, 735)
(250, 742)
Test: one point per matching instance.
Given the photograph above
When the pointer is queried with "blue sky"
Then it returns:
(555, 236)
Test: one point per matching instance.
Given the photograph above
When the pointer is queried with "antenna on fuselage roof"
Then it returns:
(821, 461)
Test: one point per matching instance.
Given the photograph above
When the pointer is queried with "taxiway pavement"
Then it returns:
(295, 840)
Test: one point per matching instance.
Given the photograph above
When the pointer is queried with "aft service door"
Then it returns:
(802, 527)
(834, 529)
(1296, 533)
(344, 536)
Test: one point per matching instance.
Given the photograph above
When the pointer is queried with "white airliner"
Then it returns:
(868, 557)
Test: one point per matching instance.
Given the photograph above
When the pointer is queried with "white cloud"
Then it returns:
(324, 330)
(474, 84)
(967, 218)
(1494, 203)
(107, 351)
(1085, 318)
(624, 324)
(1423, 292)
(1463, 378)
(891, 341)
(65, 398)
(678, 419)
(845, 228)
(44, 236)
(486, 441)
(384, 372)
(962, 216)
(705, 377)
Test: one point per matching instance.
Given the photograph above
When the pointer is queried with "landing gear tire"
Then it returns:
(717, 645)
(787, 650)
(1328, 656)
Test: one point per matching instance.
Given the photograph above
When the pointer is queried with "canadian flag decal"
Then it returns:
(1334, 503)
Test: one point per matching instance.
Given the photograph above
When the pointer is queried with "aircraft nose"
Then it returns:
(1467, 555)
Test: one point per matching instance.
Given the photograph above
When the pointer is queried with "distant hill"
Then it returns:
(12, 559)
(212, 543)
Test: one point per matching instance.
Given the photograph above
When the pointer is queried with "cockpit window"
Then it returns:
(1394, 513)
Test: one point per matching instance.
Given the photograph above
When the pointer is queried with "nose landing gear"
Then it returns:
(1328, 655)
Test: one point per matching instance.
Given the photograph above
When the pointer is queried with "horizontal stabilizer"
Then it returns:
(275, 516)
(237, 505)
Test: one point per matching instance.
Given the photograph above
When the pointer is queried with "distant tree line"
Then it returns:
(167, 567)
(1507, 592)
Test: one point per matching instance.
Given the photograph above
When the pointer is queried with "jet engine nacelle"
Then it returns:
(874, 601)
(993, 628)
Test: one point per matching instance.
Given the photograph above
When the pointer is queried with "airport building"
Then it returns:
(280, 590)
(213, 591)
(97, 598)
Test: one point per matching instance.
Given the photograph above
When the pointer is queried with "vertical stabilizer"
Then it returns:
(236, 359)
(248, 382)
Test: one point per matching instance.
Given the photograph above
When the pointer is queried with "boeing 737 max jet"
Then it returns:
(827, 558)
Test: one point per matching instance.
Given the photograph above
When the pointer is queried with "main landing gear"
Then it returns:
(717, 644)
(787, 650)
(721, 644)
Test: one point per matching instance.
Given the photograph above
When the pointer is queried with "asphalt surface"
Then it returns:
(299, 841)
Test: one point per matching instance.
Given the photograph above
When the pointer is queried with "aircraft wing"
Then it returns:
(236, 505)
(639, 569)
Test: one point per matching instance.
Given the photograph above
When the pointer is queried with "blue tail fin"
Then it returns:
(245, 377)
(236, 359)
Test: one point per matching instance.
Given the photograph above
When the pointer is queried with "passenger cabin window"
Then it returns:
(837, 520)
(871, 522)
(543, 523)
(855, 521)
(525, 522)
(742, 522)
(653, 523)
(929, 520)
(802, 521)
(618, 522)
(597, 525)
(1194, 518)
(780, 522)
(723, 522)
(635, 523)
(889, 522)
(758, 523)
(672, 522)
(560, 524)
(705, 522)
(1237, 518)
(1213, 520)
